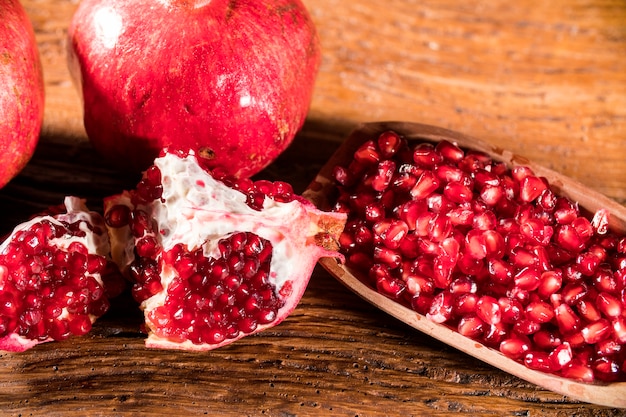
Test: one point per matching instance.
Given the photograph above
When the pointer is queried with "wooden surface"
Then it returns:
(547, 81)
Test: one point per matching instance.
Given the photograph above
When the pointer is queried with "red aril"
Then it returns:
(232, 80)
(22, 92)
(54, 277)
(213, 259)
(547, 283)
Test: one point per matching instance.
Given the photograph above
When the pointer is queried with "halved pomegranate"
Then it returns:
(213, 259)
(486, 247)
(52, 273)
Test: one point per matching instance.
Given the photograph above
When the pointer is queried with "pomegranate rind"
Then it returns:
(197, 210)
(96, 243)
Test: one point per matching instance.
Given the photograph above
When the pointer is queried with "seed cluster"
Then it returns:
(488, 250)
(213, 299)
(47, 291)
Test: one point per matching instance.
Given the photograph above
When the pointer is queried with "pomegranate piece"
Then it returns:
(212, 258)
(488, 250)
(53, 277)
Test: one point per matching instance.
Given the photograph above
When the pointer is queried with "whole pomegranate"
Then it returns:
(232, 80)
(21, 92)
(211, 258)
(54, 277)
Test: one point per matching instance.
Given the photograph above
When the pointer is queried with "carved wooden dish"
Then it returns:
(320, 190)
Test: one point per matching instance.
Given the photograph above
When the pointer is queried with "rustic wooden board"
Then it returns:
(545, 80)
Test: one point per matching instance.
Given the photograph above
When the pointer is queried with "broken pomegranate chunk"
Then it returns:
(212, 258)
(52, 277)
(488, 250)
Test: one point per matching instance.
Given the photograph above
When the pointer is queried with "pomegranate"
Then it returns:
(213, 258)
(231, 80)
(52, 277)
(490, 250)
(22, 93)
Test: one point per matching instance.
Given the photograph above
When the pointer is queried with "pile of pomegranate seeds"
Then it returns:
(490, 251)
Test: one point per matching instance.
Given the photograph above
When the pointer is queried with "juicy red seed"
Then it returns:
(488, 309)
(608, 305)
(588, 310)
(117, 216)
(578, 372)
(531, 188)
(383, 175)
(546, 339)
(390, 232)
(367, 153)
(539, 361)
(540, 311)
(389, 143)
(560, 357)
(606, 369)
(441, 308)
(471, 326)
(596, 331)
(567, 319)
(527, 279)
(450, 151)
(425, 154)
(549, 283)
(515, 348)
(426, 184)
(458, 192)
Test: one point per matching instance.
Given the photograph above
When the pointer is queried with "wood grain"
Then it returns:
(544, 80)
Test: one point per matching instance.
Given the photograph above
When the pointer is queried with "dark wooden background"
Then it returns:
(547, 81)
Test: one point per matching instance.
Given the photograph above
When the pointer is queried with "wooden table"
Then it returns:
(544, 79)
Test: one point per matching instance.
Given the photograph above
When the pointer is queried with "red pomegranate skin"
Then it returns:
(21, 92)
(232, 80)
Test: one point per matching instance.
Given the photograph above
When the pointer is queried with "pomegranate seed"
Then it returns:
(546, 339)
(471, 326)
(531, 188)
(560, 357)
(389, 143)
(515, 348)
(367, 154)
(539, 311)
(441, 308)
(465, 304)
(549, 283)
(539, 361)
(426, 184)
(566, 318)
(383, 176)
(596, 331)
(578, 372)
(606, 369)
(619, 329)
(608, 305)
(527, 279)
(450, 151)
(488, 309)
